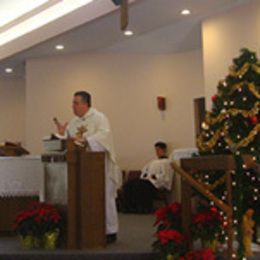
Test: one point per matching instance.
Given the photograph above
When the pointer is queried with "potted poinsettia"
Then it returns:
(169, 217)
(38, 225)
(207, 226)
(205, 254)
(170, 242)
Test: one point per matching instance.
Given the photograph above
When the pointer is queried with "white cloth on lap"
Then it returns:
(159, 172)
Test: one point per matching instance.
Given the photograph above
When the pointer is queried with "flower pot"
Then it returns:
(172, 257)
(37, 242)
(211, 244)
(49, 240)
(27, 242)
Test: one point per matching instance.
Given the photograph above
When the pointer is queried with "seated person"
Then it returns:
(138, 194)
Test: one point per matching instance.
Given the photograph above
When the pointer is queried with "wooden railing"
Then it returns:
(191, 166)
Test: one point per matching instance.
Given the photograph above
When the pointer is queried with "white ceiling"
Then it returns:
(13, 9)
(157, 24)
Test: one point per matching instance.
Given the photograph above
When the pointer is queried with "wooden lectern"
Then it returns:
(85, 207)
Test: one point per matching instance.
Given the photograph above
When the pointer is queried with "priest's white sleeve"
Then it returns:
(95, 146)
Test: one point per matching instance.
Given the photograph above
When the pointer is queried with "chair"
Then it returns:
(120, 192)
(133, 174)
(162, 195)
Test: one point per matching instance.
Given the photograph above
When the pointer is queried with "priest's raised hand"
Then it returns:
(61, 128)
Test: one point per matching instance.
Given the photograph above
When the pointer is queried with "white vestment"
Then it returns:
(99, 137)
(159, 172)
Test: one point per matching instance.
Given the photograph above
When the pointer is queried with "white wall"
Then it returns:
(125, 88)
(223, 36)
(12, 107)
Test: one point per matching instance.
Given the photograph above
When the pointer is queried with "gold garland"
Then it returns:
(243, 70)
(204, 146)
(244, 142)
(251, 87)
(213, 120)
(256, 68)
(208, 145)
(233, 112)
(214, 185)
(237, 86)
(234, 87)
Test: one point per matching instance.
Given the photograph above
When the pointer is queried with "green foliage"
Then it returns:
(38, 219)
(232, 127)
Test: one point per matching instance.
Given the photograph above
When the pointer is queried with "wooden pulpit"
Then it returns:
(84, 195)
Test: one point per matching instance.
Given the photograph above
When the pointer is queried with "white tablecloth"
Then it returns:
(21, 176)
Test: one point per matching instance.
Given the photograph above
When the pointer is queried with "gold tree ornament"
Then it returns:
(81, 130)
(204, 126)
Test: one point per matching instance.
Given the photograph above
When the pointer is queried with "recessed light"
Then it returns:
(59, 47)
(8, 70)
(128, 33)
(185, 12)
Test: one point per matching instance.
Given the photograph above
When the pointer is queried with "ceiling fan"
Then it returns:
(124, 12)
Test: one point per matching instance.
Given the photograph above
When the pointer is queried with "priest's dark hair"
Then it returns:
(161, 145)
(86, 97)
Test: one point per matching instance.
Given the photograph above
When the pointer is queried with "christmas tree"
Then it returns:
(232, 127)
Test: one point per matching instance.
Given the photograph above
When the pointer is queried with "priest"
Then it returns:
(91, 128)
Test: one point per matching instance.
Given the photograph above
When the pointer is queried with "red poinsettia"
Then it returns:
(161, 215)
(37, 219)
(207, 224)
(166, 235)
(169, 242)
(170, 239)
(169, 216)
(206, 254)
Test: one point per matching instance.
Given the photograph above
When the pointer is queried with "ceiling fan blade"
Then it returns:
(124, 15)
(124, 12)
